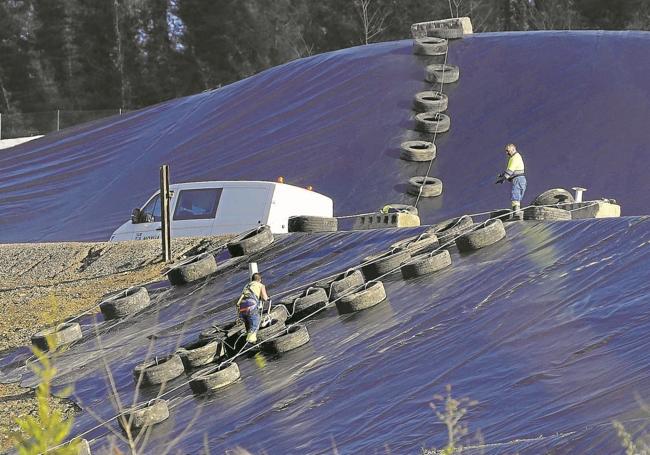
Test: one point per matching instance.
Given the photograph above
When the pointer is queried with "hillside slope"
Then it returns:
(574, 102)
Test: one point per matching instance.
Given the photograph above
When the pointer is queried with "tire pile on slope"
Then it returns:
(430, 107)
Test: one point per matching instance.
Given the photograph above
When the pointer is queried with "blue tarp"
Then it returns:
(546, 330)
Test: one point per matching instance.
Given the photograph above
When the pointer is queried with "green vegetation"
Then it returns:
(48, 428)
(450, 411)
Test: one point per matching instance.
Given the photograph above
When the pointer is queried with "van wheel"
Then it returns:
(306, 223)
(426, 264)
(431, 187)
(546, 214)
(158, 371)
(140, 417)
(127, 302)
(197, 268)
(430, 101)
(439, 73)
(417, 151)
(487, 234)
(251, 241)
(214, 377)
(381, 264)
(294, 337)
(60, 335)
(369, 297)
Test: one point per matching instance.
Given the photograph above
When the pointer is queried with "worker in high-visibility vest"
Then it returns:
(514, 174)
(250, 304)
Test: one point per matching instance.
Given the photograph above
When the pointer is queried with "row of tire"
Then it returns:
(546, 207)
(430, 107)
(351, 291)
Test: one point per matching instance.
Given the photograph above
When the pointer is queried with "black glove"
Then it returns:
(500, 178)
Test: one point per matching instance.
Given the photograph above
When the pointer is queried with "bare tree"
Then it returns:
(372, 19)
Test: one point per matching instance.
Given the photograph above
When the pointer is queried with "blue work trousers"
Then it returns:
(518, 188)
(251, 317)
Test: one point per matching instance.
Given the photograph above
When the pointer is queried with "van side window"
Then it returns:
(197, 204)
(151, 211)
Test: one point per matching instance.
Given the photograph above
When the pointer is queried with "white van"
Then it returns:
(199, 209)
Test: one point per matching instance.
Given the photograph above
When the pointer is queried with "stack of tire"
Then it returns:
(430, 107)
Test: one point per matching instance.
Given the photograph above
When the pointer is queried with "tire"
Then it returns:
(487, 234)
(223, 331)
(546, 214)
(342, 284)
(369, 297)
(158, 371)
(431, 187)
(381, 264)
(197, 268)
(503, 215)
(554, 196)
(128, 302)
(140, 417)
(295, 336)
(432, 122)
(419, 243)
(200, 353)
(426, 264)
(405, 208)
(251, 242)
(263, 334)
(440, 73)
(430, 101)
(60, 335)
(446, 33)
(279, 312)
(448, 229)
(311, 300)
(417, 151)
(214, 377)
(305, 223)
(430, 46)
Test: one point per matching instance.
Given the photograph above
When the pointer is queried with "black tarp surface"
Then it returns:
(547, 329)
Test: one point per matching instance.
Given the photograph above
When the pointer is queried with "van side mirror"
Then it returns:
(136, 215)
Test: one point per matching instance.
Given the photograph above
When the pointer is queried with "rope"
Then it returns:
(435, 133)
(345, 293)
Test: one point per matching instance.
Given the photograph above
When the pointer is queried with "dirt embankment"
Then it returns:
(44, 284)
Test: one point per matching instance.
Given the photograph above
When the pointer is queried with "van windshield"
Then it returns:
(151, 211)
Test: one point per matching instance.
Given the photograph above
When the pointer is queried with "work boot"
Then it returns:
(517, 215)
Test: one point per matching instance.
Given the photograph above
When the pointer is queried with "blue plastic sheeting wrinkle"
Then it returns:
(574, 102)
(546, 329)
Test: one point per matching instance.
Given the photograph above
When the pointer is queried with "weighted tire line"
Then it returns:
(435, 134)
(349, 291)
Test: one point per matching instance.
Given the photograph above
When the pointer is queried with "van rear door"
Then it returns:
(194, 211)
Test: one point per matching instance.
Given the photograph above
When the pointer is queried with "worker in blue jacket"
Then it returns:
(515, 174)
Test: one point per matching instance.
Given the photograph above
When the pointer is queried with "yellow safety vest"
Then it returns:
(515, 166)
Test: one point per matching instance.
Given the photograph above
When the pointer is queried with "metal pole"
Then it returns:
(58, 120)
(164, 206)
(252, 268)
